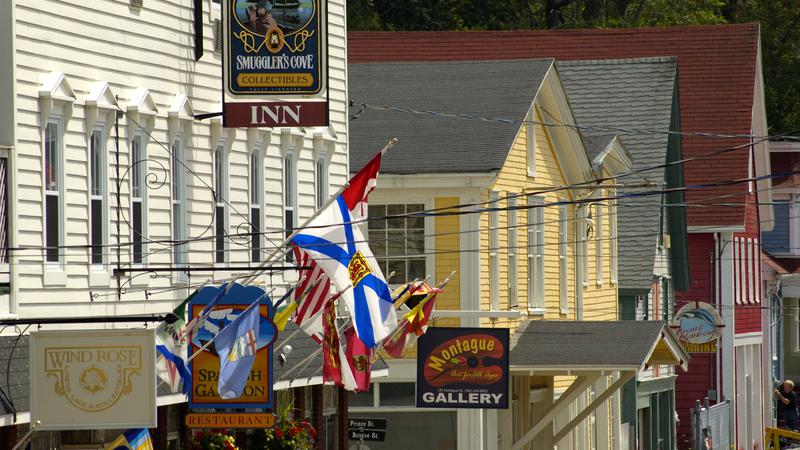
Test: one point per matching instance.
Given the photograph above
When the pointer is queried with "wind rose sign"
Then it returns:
(463, 368)
(699, 327)
(93, 379)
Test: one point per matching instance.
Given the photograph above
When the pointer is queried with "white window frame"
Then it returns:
(530, 138)
(221, 173)
(536, 246)
(599, 238)
(613, 239)
(494, 251)
(583, 245)
(563, 263)
(178, 200)
(513, 260)
(381, 229)
(59, 192)
(102, 178)
(321, 183)
(290, 198)
(139, 168)
(256, 186)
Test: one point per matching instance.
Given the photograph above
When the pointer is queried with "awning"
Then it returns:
(589, 350)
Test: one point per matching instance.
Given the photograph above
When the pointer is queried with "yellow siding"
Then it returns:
(448, 259)
(600, 301)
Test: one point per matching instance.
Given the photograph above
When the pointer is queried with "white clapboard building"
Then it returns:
(104, 167)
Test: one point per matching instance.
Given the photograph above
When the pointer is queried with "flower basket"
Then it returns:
(212, 440)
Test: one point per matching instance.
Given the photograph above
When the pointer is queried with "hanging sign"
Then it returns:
(205, 367)
(463, 368)
(94, 379)
(699, 327)
(274, 47)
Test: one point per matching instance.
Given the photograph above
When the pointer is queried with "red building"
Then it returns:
(721, 91)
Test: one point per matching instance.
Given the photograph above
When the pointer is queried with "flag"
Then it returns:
(332, 368)
(171, 346)
(358, 357)
(133, 439)
(413, 325)
(338, 247)
(236, 347)
(311, 295)
(197, 321)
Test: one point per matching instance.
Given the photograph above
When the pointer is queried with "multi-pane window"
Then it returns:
(289, 196)
(512, 253)
(52, 191)
(563, 224)
(536, 253)
(397, 239)
(178, 203)
(599, 238)
(321, 172)
(97, 195)
(220, 198)
(256, 189)
(494, 251)
(138, 177)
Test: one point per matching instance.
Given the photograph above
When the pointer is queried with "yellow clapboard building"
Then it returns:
(492, 180)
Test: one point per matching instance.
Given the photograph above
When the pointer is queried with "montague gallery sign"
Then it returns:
(274, 49)
(698, 326)
(204, 367)
(463, 368)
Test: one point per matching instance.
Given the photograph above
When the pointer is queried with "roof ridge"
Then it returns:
(616, 61)
(573, 31)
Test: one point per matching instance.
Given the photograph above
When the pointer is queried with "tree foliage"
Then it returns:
(780, 28)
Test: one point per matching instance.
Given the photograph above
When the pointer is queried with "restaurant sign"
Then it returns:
(699, 327)
(463, 368)
(274, 47)
(93, 379)
(257, 392)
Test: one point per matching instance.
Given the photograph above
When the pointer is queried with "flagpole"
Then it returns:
(270, 259)
(211, 341)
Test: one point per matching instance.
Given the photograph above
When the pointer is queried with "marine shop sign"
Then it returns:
(698, 326)
(463, 368)
(93, 379)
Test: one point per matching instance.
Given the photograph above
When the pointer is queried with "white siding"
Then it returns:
(150, 48)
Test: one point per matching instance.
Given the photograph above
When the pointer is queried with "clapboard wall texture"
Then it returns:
(132, 49)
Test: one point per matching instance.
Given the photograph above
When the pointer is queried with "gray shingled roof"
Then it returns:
(572, 345)
(637, 94)
(435, 144)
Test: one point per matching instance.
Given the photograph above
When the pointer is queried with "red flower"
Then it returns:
(294, 430)
(278, 433)
(198, 435)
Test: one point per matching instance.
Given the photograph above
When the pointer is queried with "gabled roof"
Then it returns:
(428, 144)
(627, 93)
(717, 83)
(593, 345)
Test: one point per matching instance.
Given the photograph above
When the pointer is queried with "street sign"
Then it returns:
(367, 435)
(368, 423)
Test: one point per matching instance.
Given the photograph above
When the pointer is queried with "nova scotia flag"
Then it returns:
(338, 247)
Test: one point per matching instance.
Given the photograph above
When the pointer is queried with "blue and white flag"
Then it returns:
(236, 347)
(338, 247)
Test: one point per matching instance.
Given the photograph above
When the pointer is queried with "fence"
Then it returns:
(712, 426)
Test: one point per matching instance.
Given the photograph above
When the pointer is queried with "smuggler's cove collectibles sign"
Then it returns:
(274, 47)
(463, 368)
(93, 379)
(204, 368)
